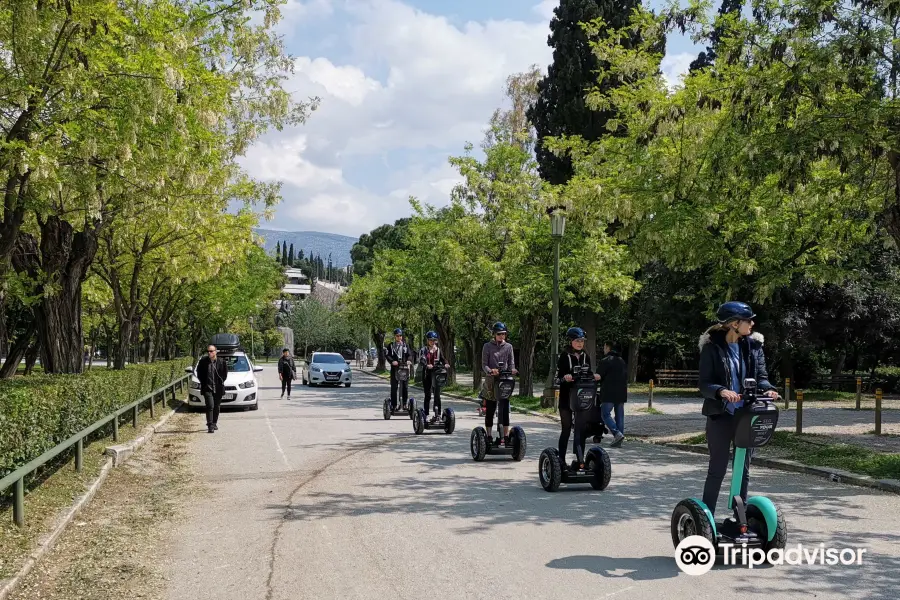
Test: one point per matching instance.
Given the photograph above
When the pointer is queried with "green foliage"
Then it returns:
(40, 411)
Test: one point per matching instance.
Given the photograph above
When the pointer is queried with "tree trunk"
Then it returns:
(589, 324)
(529, 326)
(448, 341)
(379, 349)
(17, 352)
(634, 347)
(31, 356)
(62, 260)
(477, 373)
(837, 366)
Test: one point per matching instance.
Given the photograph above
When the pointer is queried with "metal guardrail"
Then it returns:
(17, 477)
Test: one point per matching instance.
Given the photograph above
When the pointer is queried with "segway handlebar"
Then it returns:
(751, 395)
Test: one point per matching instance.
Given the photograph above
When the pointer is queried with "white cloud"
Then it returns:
(545, 8)
(674, 66)
(440, 84)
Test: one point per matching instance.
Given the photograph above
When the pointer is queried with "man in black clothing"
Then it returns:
(572, 357)
(398, 354)
(287, 372)
(613, 391)
(212, 373)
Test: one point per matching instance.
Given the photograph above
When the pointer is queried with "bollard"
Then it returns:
(787, 393)
(116, 428)
(858, 392)
(650, 400)
(134, 417)
(878, 411)
(152, 406)
(799, 411)
(19, 502)
(79, 455)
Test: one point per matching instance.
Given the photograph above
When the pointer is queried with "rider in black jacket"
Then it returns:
(729, 353)
(397, 354)
(570, 359)
(431, 357)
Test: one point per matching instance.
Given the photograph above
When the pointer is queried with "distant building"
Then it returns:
(297, 286)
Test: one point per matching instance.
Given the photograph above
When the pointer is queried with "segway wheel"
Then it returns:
(757, 523)
(419, 421)
(386, 409)
(517, 438)
(598, 462)
(689, 518)
(550, 470)
(449, 420)
(478, 443)
(412, 407)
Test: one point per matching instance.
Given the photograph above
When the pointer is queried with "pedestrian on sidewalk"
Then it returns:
(613, 391)
(729, 353)
(287, 372)
(212, 373)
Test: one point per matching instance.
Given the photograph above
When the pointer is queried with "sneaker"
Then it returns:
(574, 466)
(210, 429)
(620, 437)
(506, 441)
(215, 426)
(598, 439)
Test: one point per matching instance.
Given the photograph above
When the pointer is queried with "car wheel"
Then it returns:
(346, 385)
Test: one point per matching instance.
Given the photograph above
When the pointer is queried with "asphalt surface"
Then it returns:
(320, 497)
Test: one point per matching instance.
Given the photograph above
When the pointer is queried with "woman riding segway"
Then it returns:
(431, 357)
(574, 356)
(493, 353)
(729, 353)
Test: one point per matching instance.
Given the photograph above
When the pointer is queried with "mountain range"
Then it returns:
(315, 242)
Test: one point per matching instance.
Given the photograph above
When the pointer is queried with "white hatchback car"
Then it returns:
(241, 386)
(326, 367)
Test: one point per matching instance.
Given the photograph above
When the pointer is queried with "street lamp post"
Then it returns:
(252, 349)
(557, 230)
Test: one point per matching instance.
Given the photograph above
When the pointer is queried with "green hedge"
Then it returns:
(38, 412)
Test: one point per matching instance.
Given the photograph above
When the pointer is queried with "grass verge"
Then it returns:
(113, 549)
(650, 410)
(56, 489)
(818, 451)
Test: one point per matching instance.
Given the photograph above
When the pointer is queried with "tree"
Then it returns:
(385, 236)
(278, 249)
(291, 256)
(560, 108)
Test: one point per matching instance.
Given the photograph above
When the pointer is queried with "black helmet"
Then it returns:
(731, 311)
(499, 327)
(398, 331)
(575, 333)
(431, 335)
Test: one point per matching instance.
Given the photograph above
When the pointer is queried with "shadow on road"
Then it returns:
(637, 569)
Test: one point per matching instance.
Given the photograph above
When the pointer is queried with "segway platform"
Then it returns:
(410, 409)
(446, 421)
(597, 470)
(482, 446)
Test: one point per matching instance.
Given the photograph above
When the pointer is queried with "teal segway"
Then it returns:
(758, 524)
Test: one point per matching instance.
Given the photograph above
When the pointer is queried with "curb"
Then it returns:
(116, 456)
(835, 475)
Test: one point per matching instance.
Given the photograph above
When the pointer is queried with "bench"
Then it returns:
(845, 382)
(677, 377)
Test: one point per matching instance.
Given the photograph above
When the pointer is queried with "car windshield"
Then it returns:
(328, 358)
(236, 364)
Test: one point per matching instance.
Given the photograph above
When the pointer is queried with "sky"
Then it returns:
(404, 85)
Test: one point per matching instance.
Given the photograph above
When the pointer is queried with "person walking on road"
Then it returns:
(613, 391)
(212, 373)
(287, 372)
(729, 353)
(492, 354)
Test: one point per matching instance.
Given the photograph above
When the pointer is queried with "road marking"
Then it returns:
(278, 444)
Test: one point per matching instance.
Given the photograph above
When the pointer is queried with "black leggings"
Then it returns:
(503, 417)
(719, 437)
(565, 416)
(403, 389)
(427, 383)
(285, 384)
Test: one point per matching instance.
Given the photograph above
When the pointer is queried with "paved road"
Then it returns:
(319, 497)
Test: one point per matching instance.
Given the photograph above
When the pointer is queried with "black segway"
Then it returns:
(597, 468)
(481, 444)
(446, 420)
(410, 408)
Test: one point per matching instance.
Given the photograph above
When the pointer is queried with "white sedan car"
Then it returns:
(241, 386)
(326, 367)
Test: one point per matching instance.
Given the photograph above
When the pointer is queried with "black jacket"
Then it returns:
(715, 369)
(568, 361)
(286, 366)
(613, 379)
(402, 355)
(221, 374)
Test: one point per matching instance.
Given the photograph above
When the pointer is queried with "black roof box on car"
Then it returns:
(225, 342)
